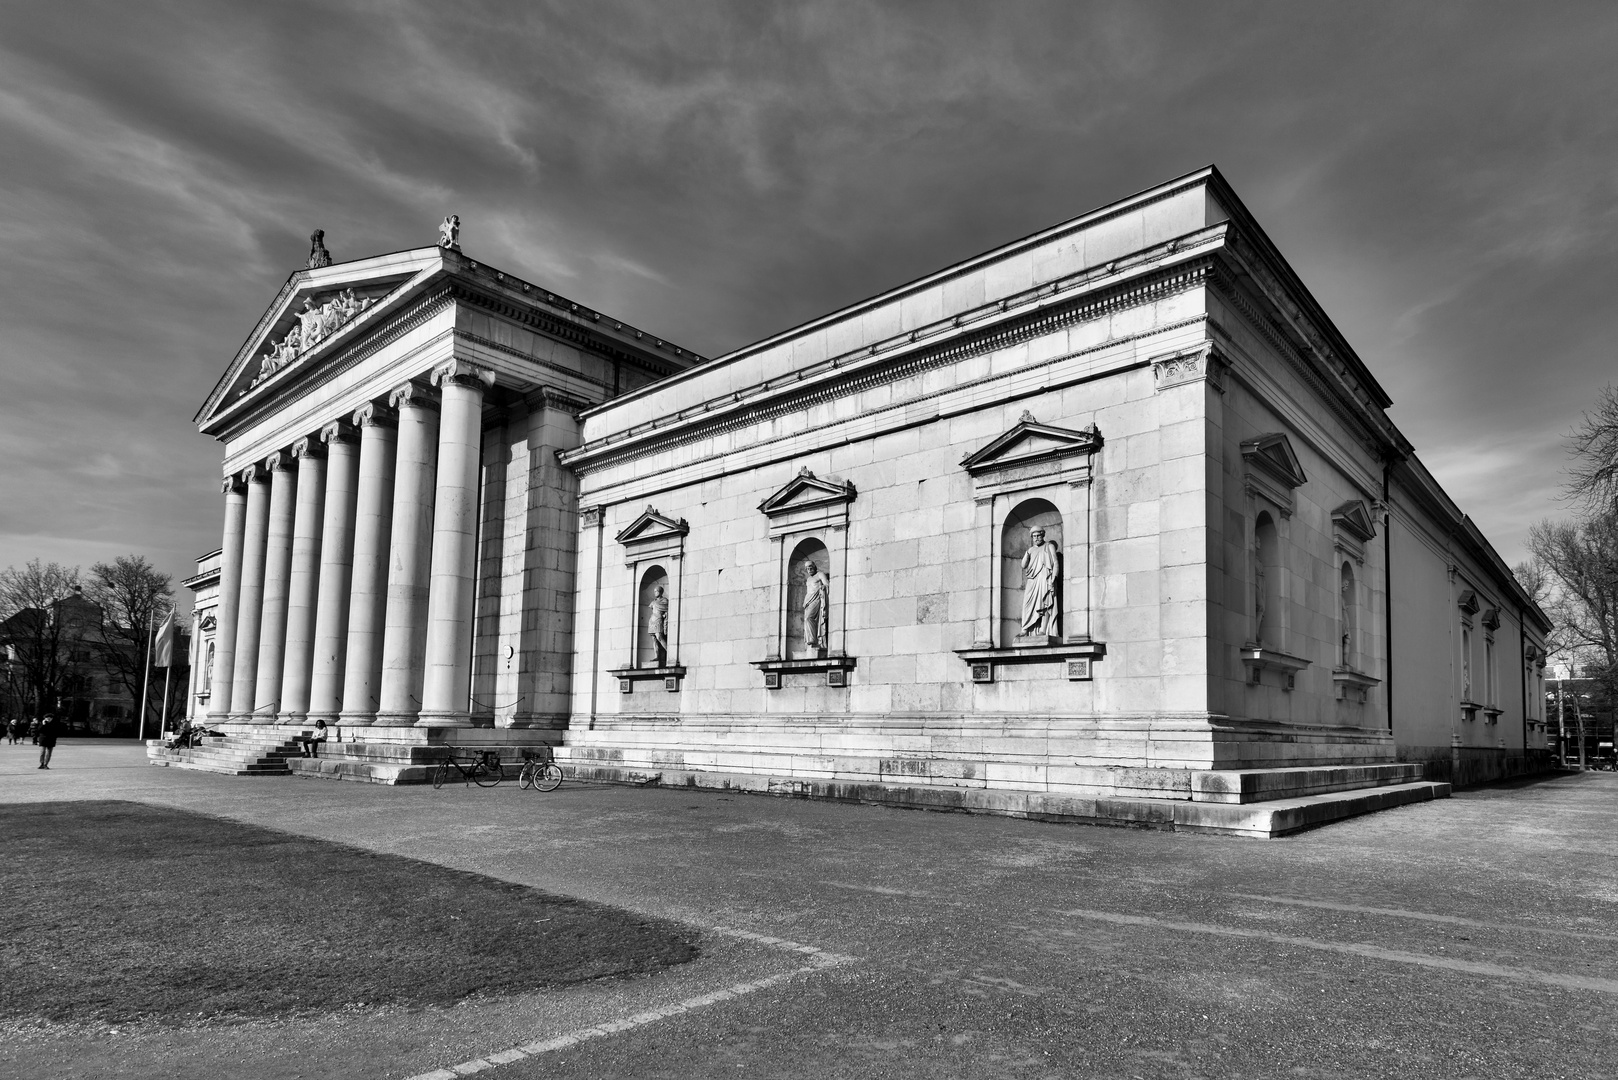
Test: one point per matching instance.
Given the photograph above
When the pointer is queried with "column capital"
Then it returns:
(412, 395)
(338, 431)
(375, 414)
(254, 474)
(232, 484)
(310, 446)
(458, 372)
(592, 516)
(280, 461)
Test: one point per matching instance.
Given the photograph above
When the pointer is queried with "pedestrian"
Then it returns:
(47, 740)
(33, 731)
(13, 730)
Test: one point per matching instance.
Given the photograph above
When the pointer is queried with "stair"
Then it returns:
(232, 755)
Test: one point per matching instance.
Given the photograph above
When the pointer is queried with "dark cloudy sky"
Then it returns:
(1441, 175)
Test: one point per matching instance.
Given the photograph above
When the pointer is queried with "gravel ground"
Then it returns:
(1474, 936)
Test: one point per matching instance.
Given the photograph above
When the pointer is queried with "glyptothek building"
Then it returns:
(1109, 523)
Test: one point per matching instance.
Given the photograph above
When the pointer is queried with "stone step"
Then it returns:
(1266, 820)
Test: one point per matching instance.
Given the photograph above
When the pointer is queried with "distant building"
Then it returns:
(1099, 513)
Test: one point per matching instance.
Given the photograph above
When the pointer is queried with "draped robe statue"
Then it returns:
(1040, 569)
(816, 602)
(657, 624)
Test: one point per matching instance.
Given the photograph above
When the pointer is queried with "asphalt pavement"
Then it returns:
(1473, 936)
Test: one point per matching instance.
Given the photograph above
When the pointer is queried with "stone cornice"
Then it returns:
(864, 368)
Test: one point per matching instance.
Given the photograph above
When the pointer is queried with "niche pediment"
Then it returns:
(653, 535)
(1032, 454)
(808, 502)
(1273, 470)
(1352, 528)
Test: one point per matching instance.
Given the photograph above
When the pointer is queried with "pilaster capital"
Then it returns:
(232, 485)
(310, 446)
(280, 461)
(592, 516)
(338, 431)
(412, 395)
(375, 414)
(548, 398)
(458, 372)
(254, 474)
(1202, 363)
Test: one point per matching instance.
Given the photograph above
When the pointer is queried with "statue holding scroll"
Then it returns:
(816, 609)
(657, 625)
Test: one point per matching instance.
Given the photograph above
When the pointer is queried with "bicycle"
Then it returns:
(484, 770)
(539, 771)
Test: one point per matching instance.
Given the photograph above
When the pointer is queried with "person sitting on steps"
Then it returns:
(309, 744)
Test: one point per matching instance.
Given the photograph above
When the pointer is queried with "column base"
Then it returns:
(354, 719)
(395, 719)
(445, 719)
(291, 719)
(331, 717)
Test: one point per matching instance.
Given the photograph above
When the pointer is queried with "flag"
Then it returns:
(163, 648)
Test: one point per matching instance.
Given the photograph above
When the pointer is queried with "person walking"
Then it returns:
(47, 740)
(13, 730)
(33, 731)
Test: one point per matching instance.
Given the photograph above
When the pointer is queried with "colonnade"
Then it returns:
(349, 568)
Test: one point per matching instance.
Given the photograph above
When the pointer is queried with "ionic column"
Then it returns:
(336, 572)
(448, 680)
(272, 635)
(230, 587)
(302, 580)
(368, 589)
(404, 634)
(250, 603)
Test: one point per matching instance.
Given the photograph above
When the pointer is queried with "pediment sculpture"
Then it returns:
(315, 324)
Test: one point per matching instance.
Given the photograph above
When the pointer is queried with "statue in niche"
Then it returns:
(1344, 603)
(1041, 568)
(206, 683)
(449, 233)
(657, 625)
(318, 255)
(816, 610)
(1258, 593)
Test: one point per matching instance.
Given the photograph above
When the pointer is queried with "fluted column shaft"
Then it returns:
(336, 573)
(447, 684)
(404, 634)
(230, 587)
(250, 596)
(302, 580)
(368, 590)
(272, 635)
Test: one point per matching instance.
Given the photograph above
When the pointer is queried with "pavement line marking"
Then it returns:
(1425, 916)
(819, 960)
(1372, 952)
(879, 890)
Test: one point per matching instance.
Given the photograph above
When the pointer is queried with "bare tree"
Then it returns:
(132, 596)
(1593, 476)
(42, 628)
(1579, 561)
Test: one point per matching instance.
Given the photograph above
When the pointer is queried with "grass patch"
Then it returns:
(117, 911)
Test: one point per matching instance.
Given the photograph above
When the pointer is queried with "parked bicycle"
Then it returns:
(539, 771)
(483, 769)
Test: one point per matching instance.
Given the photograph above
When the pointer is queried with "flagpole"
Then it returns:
(146, 676)
(163, 716)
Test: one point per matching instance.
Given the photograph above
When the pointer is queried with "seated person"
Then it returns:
(308, 744)
(182, 738)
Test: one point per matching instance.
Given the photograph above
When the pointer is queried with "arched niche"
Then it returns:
(652, 620)
(809, 559)
(1016, 537)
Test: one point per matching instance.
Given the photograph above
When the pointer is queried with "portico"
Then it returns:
(360, 421)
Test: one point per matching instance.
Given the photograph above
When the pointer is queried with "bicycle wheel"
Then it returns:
(525, 779)
(549, 778)
(440, 774)
(485, 774)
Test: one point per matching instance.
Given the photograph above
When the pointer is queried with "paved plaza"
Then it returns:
(1475, 936)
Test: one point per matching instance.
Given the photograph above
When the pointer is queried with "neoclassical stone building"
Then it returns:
(1108, 523)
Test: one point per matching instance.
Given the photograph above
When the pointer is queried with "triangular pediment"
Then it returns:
(1273, 455)
(317, 312)
(806, 490)
(1030, 441)
(652, 525)
(1354, 517)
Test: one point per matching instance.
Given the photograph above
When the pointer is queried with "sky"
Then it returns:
(1443, 177)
